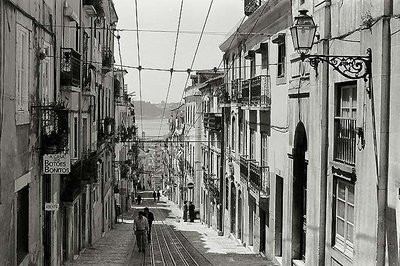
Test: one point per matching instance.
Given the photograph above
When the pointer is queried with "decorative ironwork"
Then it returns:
(54, 124)
(352, 67)
(70, 67)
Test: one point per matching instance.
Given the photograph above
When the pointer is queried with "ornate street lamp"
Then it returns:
(303, 33)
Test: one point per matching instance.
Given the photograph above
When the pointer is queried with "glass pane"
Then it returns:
(354, 96)
(340, 227)
(345, 112)
(350, 214)
(340, 209)
(350, 233)
(350, 194)
(341, 190)
(345, 97)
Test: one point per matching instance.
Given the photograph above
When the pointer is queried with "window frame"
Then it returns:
(342, 243)
(252, 152)
(281, 70)
(22, 65)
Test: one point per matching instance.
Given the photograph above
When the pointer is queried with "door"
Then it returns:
(262, 229)
(278, 216)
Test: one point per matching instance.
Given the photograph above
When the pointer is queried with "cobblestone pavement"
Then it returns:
(118, 247)
(112, 249)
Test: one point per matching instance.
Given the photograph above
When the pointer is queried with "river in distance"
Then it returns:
(151, 127)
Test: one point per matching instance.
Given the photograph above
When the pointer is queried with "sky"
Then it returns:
(157, 48)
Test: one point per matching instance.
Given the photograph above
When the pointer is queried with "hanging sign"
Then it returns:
(56, 164)
(51, 206)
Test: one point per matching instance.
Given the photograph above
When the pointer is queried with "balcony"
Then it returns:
(213, 121)
(105, 129)
(236, 93)
(244, 167)
(107, 59)
(345, 140)
(54, 128)
(256, 91)
(255, 174)
(223, 95)
(70, 67)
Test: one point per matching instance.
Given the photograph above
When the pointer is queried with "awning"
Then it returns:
(249, 54)
(260, 47)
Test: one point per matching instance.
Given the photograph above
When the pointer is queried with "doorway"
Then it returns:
(233, 208)
(299, 219)
(278, 216)
(240, 220)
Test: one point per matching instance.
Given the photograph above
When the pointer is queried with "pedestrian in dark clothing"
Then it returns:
(154, 195)
(191, 211)
(158, 195)
(139, 199)
(185, 211)
(150, 218)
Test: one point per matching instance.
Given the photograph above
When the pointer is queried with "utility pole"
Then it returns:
(221, 176)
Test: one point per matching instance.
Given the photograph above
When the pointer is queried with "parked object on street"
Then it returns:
(150, 218)
(191, 212)
(185, 211)
(141, 227)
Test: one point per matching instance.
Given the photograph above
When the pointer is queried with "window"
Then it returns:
(226, 193)
(344, 216)
(22, 68)
(46, 76)
(241, 137)
(281, 59)
(75, 137)
(252, 67)
(264, 150)
(345, 124)
(252, 144)
(264, 57)
(233, 133)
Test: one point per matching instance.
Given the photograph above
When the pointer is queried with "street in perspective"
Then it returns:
(212, 132)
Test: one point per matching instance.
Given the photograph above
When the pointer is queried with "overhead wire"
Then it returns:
(140, 67)
(189, 70)
(172, 66)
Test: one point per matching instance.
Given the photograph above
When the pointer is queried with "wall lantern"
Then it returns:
(303, 33)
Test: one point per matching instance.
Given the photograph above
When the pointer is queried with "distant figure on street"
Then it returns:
(185, 211)
(139, 199)
(191, 211)
(141, 227)
(154, 195)
(133, 197)
(158, 195)
(150, 218)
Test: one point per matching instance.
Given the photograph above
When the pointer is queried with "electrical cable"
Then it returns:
(173, 65)
(140, 67)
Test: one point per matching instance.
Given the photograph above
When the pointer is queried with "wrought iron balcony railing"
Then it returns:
(107, 58)
(345, 140)
(236, 92)
(256, 91)
(265, 180)
(70, 67)
(213, 121)
(255, 174)
(244, 167)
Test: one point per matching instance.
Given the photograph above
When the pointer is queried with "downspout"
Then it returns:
(384, 134)
(222, 176)
(325, 134)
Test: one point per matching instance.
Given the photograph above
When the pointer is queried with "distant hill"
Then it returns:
(153, 110)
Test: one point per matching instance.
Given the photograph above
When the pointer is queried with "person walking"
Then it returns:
(185, 211)
(139, 199)
(154, 195)
(158, 195)
(140, 227)
(150, 218)
(191, 212)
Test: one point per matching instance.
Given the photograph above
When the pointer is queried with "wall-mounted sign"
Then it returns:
(51, 206)
(56, 164)
(190, 185)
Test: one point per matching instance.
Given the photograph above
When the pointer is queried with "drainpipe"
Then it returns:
(384, 134)
(221, 176)
(324, 135)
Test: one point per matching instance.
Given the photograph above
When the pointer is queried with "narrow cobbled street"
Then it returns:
(174, 242)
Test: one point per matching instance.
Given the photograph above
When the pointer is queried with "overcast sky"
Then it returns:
(156, 49)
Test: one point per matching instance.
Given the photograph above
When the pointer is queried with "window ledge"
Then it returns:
(281, 80)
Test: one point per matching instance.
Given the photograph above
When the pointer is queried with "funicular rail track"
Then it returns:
(169, 247)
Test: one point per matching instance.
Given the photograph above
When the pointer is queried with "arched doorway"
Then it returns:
(233, 208)
(299, 193)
